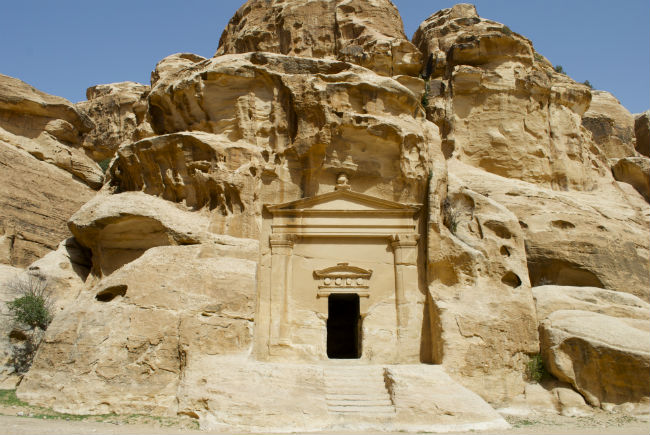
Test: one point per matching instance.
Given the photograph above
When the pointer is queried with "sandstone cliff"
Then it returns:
(317, 124)
(367, 33)
(44, 174)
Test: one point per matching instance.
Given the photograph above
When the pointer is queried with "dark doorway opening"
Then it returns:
(343, 327)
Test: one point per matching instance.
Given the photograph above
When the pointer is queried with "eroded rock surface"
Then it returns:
(47, 127)
(309, 119)
(593, 239)
(367, 33)
(36, 199)
(120, 228)
(476, 244)
(135, 329)
(501, 107)
(641, 132)
(634, 171)
(200, 170)
(172, 64)
(603, 357)
(119, 111)
(550, 298)
(611, 125)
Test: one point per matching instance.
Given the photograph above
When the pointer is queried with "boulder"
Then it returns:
(634, 171)
(611, 125)
(551, 298)
(501, 107)
(570, 402)
(368, 33)
(47, 127)
(119, 111)
(605, 358)
(641, 127)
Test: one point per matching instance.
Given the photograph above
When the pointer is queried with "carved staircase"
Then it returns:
(358, 391)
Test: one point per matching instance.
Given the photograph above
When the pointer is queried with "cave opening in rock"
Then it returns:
(343, 327)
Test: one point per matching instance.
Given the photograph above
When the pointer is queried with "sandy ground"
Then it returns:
(23, 420)
(598, 424)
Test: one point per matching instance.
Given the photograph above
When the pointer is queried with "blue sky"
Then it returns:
(64, 46)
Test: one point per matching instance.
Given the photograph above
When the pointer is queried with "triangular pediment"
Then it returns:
(342, 200)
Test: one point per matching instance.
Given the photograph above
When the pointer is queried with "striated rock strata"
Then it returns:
(301, 234)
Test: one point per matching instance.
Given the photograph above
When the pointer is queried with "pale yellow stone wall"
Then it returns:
(354, 232)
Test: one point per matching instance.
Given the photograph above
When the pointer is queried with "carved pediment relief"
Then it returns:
(341, 200)
(343, 213)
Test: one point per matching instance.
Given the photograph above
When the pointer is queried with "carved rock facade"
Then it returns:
(302, 234)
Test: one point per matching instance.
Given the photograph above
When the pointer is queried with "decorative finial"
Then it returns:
(342, 182)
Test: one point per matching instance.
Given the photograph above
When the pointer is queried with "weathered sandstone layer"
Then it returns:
(454, 202)
(611, 125)
(119, 111)
(500, 105)
(44, 174)
(367, 33)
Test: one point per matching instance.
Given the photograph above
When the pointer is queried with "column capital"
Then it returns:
(404, 240)
(280, 242)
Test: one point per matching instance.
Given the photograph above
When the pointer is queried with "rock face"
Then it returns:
(300, 234)
(173, 64)
(44, 175)
(550, 298)
(594, 239)
(162, 316)
(476, 244)
(501, 107)
(304, 117)
(119, 111)
(208, 173)
(611, 125)
(367, 33)
(47, 127)
(641, 128)
(36, 199)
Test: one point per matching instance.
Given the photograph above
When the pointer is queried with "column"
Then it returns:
(406, 291)
(281, 277)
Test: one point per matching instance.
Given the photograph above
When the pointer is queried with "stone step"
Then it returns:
(354, 370)
(356, 395)
(357, 391)
(367, 386)
(356, 403)
(365, 410)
